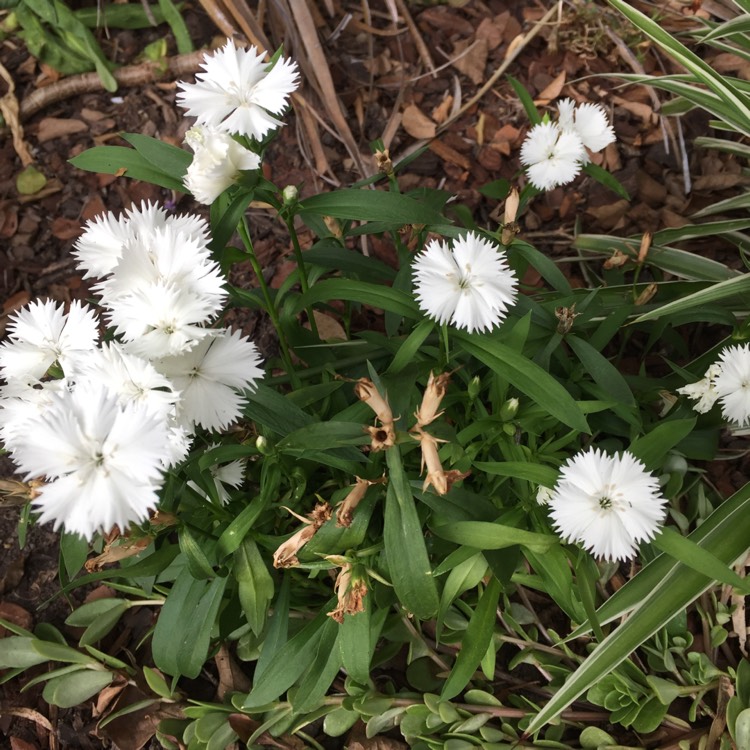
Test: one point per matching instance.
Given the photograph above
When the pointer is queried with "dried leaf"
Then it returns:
(329, 329)
(552, 90)
(473, 63)
(417, 124)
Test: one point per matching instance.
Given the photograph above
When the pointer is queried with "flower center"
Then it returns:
(605, 502)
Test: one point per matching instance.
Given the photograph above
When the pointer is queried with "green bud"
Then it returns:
(261, 443)
(475, 385)
(509, 409)
(289, 195)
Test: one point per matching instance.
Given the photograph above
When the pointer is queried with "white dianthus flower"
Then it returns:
(607, 504)
(217, 162)
(102, 461)
(41, 334)
(210, 376)
(468, 285)
(703, 391)
(732, 384)
(237, 93)
(589, 122)
(552, 156)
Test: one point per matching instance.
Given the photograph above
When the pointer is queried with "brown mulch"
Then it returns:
(395, 83)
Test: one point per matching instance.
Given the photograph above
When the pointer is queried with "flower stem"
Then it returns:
(270, 307)
(289, 221)
(445, 343)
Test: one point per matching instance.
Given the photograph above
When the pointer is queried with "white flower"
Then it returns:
(703, 391)
(608, 504)
(469, 285)
(589, 122)
(160, 320)
(166, 256)
(209, 376)
(217, 163)
(543, 494)
(732, 384)
(102, 461)
(132, 379)
(553, 156)
(237, 93)
(22, 401)
(101, 245)
(222, 476)
(41, 334)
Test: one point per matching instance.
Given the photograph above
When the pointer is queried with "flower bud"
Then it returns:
(475, 386)
(289, 195)
(261, 443)
(509, 409)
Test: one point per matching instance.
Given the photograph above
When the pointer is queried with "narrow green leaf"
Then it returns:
(476, 641)
(408, 562)
(88, 613)
(119, 160)
(394, 209)
(354, 642)
(483, 535)
(103, 623)
(526, 100)
(652, 448)
(603, 372)
(183, 631)
(408, 350)
(169, 159)
(291, 661)
(603, 177)
(527, 377)
(255, 584)
(739, 285)
(75, 688)
(178, 26)
(536, 473)
(696, 557)
(323, 670)
(59, 652)
(375, 295)
(324, 435)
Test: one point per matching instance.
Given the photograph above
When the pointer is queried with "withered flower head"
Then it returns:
(286, 554)
(385, 436)
(433, 396)
(510, 226)
(383, 162)
(350, 592)
(566, 317)
(345, 510)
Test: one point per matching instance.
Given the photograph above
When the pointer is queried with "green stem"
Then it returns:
(270, 307)
(289, 221)
(445, 344)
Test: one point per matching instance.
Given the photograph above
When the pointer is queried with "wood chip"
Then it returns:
(470, 58)
(57, 127)
(449, 154)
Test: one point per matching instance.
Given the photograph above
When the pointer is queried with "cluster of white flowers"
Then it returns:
(468, 285)
(102, 433)
(554, 152)
(236, 95)
(728, 382)
(608, 504)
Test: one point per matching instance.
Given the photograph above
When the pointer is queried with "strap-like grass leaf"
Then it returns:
(375, 295)
(482, 535)
(652, 448)
(536, 473)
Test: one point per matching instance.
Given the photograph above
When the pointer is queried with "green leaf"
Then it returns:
(354, 642)
(602, 371)
(290, 661)
(333, 256)
(88, 613)
(410, 347)
(157, 683)
(393, 209)
(526, 100)
(323, 435)
(652, 448)
(375, 295)
(527, 377)
(466, 575)
(183, 631)
(321, 673)
(476, 641)
(18, 652)
(60, 652)
(607, 179)
(255, 584)
(483, 535)
(696, 557)
(119, 160)
(72, 689)
(178, 26)
(167, 158)
(275, 412)
(104, 623)
(727, 289)
(408, 563)
(535, 473)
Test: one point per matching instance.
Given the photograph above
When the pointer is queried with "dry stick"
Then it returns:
(424, 53)
(131, 75)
